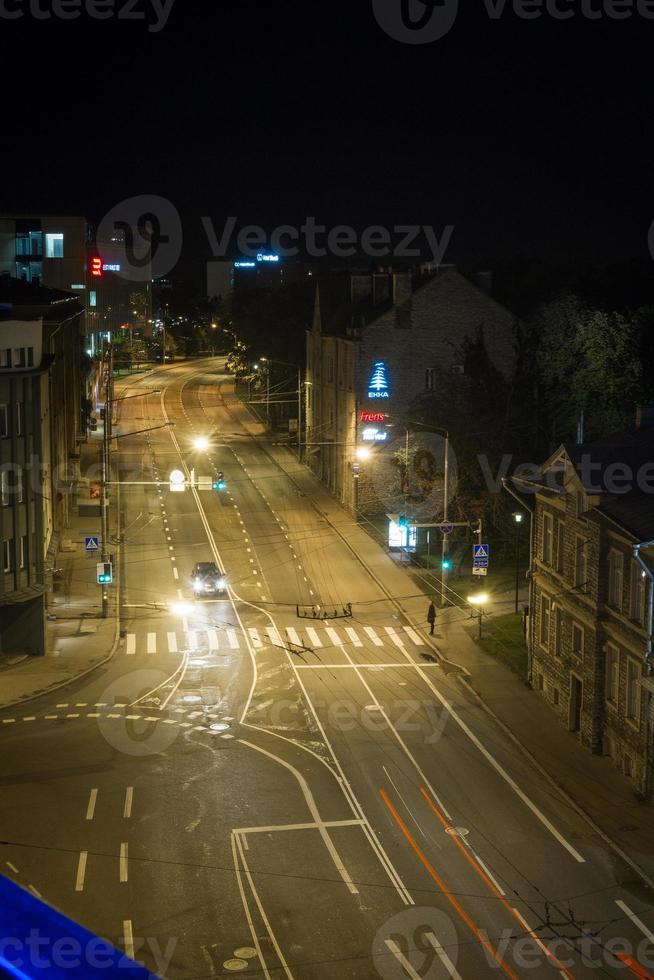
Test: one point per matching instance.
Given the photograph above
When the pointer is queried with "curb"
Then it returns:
(577, 807)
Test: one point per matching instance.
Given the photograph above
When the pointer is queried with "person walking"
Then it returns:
(431, 617)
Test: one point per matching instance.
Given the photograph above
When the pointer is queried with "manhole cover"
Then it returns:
(235, 965)
(457, 831)
(245, 952)
(192, 698)
(219, 726)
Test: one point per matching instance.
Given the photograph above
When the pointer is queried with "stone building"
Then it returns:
(378, 341)
(591, 622)
(41, 336)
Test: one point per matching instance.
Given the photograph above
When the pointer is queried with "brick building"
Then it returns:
(378, 342)
(590, 631)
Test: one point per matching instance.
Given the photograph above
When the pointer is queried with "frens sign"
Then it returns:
(372, 417)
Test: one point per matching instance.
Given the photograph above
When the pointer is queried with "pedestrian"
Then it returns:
(431, 617)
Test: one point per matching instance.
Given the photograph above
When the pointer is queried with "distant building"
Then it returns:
(41, 339)
(590, 601)
(376, 343)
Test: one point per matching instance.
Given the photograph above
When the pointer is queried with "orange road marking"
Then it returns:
(634, 966)
(482, 874)
(463, 915)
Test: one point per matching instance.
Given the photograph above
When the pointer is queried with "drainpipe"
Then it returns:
(648, 659)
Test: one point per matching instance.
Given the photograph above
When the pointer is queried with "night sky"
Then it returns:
(530, 137)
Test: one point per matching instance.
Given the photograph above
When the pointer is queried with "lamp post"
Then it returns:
(517, 517)
(478, 602)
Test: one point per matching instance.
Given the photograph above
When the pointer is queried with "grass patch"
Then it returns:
(503, 640)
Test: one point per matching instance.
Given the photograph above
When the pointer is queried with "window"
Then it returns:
(54, 245)
(19, 485)
(5, 357)
(633, 690)
(93, 297)
(581, 563)
(581, 503)
(19, 356)
(548, 534)
(615, 579)
(612, 673)
(545, 605)
(20, 418)
(558, 631)
(577, 640)
(4, 422)
(6, 555)
(637, 594)
(559, 545)
(23, 551)
(4, 489)
(430, 379)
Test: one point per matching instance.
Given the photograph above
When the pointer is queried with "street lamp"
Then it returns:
(479, 601)
(363, 453)
(201, 443)
(517, 517)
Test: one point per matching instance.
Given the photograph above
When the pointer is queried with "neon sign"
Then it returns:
(267, 257)
(110, 267)
(378, 386)
(372, 417)
(96, 266)
(245, 265)
(374, 435)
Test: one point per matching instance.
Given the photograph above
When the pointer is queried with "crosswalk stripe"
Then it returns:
(313, 636)
(397, 640)
(256, 642)
(333, 636)
(130, 649)
(274, 636)
(192, 640)
(233, 639)
(419, 642)
(373, 636)
(352, 633)
(152, 643)
(293, 636)
(172, 643)
(213, 639)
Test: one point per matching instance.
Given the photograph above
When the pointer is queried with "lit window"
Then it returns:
(633, 690)
(93, 298)
(612, 669)
(54, 245)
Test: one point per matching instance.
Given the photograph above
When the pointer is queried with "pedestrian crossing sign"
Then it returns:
(480, 551)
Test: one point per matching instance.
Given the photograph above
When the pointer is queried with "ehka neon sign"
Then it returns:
(378, 386)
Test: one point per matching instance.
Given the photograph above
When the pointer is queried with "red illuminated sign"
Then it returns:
(373, 417)
(96, 266)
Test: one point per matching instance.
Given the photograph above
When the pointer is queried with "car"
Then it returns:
(207, 579)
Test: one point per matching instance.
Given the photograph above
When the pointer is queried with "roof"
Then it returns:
(26, 301)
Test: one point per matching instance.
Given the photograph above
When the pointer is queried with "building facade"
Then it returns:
(376, 345)
(590, 598)
(41, 338)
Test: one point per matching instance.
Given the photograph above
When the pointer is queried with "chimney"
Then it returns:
(402, 287)
(484, 280)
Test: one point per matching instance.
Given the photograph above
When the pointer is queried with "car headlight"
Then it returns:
(197, 585)
(222, 583)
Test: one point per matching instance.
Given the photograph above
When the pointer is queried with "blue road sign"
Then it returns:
(481, 551)
(446, 528)
(91, 544)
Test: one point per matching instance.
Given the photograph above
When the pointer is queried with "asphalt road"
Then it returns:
(245, 790)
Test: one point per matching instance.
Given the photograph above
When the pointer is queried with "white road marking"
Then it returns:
(313, 636)
(397, 640)
(373, 636)
(129, 799)
(128, 938)
(233, 639)
(352, 633)
(296, 826)
(634, 918)
(274, 636)
(172, 643)
(123, 861)
(487, 871)
(130, 648)
(418, 640)
(401, 958)
(236, 842)
(175, 573)
(34, 891)
(256, 642)
(313, 810)
(81, 871)
(12, 868)
(333, 636)
(293, 636)
(212, 636)
(191, 640)
(90, 810)
(452, 972)
(152, 643)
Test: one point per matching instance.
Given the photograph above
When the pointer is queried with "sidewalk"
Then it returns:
(594, 786)
(77, 639)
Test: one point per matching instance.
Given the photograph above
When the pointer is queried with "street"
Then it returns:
(287, 782)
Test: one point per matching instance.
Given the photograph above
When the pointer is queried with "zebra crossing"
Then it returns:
(230, 638)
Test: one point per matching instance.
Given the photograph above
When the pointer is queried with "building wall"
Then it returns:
(590, 637)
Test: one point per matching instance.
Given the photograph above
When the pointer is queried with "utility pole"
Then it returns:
(299, 415)
(517, 517)
(445, 542)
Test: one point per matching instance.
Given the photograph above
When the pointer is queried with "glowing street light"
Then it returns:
(363, 453)
(201, 443)
(479, 600)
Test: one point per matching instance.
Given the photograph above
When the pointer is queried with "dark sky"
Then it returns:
(529, 136)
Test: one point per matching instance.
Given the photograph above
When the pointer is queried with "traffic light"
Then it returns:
(402, 522)
(447, 564)
(219, 482)
(104, 572)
